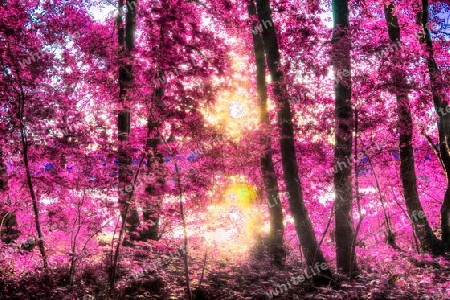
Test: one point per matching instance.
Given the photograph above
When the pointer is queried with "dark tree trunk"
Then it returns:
(427, 239)
(155, 164)
(440, 104)
(344, 233)
(303, 224)
(125, 37)
(445, 213)
(267, 167)
(155, 159)
(8, 221)
(126, 81)
(151, 215)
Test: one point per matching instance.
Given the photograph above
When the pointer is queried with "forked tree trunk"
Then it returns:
(344, 233)
(427, 239)
(440, 105)
(276, 246)
(303, 225)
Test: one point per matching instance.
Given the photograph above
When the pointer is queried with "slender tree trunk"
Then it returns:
(8, 221)
(126, 208)
(390, 234)
(73, 242)
(344, 233)
(267, 167)
(357, 194)
(303, 225)
(34, 201)
(440, 105)
(427, 239)
(183, 219)
(445, 213)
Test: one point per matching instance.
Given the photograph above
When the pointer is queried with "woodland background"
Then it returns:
(221, 149)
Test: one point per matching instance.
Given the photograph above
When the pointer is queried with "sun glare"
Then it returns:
(234, 224)
(234, 110)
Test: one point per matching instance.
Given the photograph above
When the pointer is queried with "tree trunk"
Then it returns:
(185, 234)
(390, 234)
(155, 159)
(440, 105)
(267, 167)
(303, 224)
(73, 244)
(344, 234)
(151, 212)
(8, 221)
(126, 81)
(445, 214)
(427, 239)
(34, 201)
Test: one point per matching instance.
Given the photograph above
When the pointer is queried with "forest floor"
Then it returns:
(403, 277)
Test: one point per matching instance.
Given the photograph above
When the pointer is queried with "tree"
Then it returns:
(126, 43)
(428, 240)
(440, 105)
(155, 158)
(303, 224)
(25, 148)
(151, 211)
(267, 167)
(341, 44)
